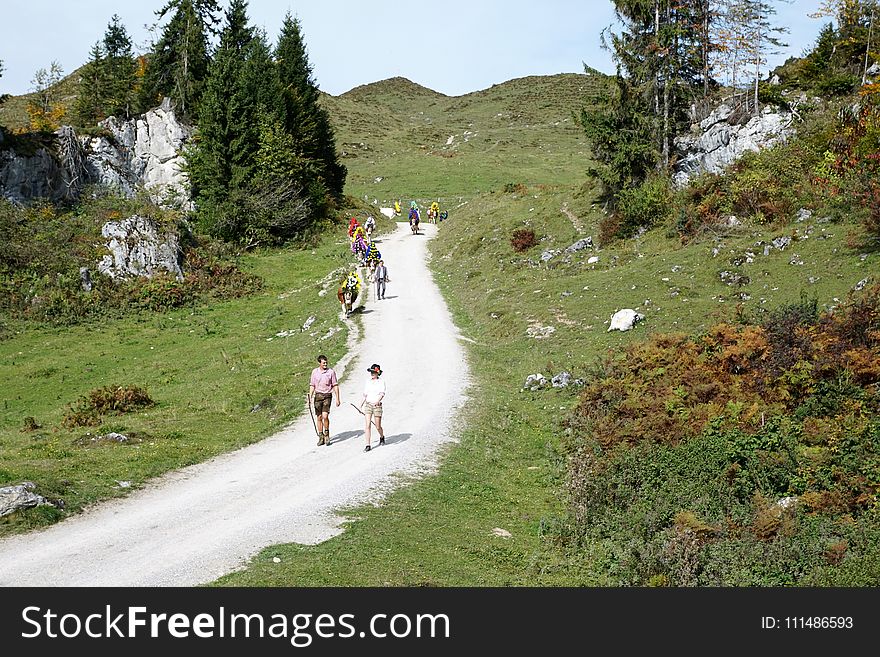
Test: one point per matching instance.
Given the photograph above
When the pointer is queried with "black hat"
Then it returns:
(375, 368)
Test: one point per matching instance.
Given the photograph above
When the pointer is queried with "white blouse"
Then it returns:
(374, 389)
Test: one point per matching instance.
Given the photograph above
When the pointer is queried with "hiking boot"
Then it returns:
(327, 439)
(320, 440)
(367, 448)
(381, 440)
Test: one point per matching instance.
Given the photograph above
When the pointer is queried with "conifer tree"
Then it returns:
(92, 91)
(227, 137)
(178, 63)
(306, 120)
(119, 69)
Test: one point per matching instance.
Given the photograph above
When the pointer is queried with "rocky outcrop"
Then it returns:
(138, 248)
(56, 174)
(147, 152)
(144, 152)
(716, 142)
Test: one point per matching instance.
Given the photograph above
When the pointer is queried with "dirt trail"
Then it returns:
(194, 525)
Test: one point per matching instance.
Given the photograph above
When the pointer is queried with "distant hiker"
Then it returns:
(371, 406)
(322, 385)
(369, 226)
(381, 279)
(414, 220)
(443, 216)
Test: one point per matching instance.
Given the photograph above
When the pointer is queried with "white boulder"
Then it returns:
(624, 320)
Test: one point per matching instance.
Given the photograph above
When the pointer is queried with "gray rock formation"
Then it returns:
(138, 248)
(15, 498)
(142, 152)
(45, 173)
(146, 151)
(715, 143)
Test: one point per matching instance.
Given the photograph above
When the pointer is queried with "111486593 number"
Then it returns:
(818, 622)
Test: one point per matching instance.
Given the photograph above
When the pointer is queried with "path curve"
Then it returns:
(193, 525)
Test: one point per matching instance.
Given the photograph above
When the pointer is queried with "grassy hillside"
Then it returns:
(401, 141)
(510, 470)
(505, 159)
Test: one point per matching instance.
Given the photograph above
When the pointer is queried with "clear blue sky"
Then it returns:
(450, 46)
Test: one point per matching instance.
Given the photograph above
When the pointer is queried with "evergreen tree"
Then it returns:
(306, 120)
(227, 138)
(92, 93)
(178, 63)
(119, 69)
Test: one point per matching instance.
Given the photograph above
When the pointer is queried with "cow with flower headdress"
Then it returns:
(359, 243)
(348, 291)
(352, 225)
(373, 255)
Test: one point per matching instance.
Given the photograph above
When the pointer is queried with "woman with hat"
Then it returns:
(371, 405)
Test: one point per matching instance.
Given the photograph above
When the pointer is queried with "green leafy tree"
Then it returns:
(90, 106)
(178, 64)
(306, 120)
(44, 110)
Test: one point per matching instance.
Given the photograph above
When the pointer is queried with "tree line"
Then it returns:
(677, 58)
(263, 165)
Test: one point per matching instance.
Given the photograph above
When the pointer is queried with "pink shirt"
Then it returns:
(323, 380)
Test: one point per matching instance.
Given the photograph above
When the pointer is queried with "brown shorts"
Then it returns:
(322, 402)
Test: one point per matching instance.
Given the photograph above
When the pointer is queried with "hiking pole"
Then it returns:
(372, 420)
(311, 414)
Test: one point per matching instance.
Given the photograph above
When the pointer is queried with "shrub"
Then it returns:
(748, 455)
(523, 239)
(515, 188)
(645, 205)
(115, 399)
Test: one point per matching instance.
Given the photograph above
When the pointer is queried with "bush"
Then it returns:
(643, 206)
(523, 239)
(740, 457)
(115, 399)
(839, 84)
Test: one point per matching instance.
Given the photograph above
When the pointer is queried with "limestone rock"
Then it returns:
(147, 151)
(137, 249)
(624, 320)
(717, 143)
(16, 498)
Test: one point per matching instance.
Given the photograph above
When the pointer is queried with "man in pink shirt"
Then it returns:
(321, 387)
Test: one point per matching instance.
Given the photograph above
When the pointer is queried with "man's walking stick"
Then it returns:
(372, 421)
(311, 414)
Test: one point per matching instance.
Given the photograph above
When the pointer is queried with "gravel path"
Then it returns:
(194, 525)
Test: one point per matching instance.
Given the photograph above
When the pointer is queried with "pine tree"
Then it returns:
(306, 120)
(227, 136)
(119, 69)
(92, 92)
(178, 63)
